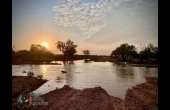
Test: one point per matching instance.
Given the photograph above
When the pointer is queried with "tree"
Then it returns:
(23, 54)
(86, 52)
(71, 49)
(124, 50)
(68, 49)
(142, 54)
(155, 52)
(115, 53)
(36, 51)
(13, 52)
(147, 52)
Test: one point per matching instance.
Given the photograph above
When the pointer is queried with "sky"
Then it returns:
(96, 25)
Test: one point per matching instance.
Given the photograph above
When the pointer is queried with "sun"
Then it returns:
(45, 44)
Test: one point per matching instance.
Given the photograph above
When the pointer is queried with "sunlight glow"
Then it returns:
(45, 44)
(44, 70)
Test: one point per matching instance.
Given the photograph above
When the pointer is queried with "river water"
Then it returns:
(114, 78)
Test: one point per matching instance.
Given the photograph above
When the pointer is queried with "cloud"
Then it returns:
(110, 21)
(86, 16)
(130, 22)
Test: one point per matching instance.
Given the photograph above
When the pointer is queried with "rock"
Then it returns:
(63, 71)
(24, 72)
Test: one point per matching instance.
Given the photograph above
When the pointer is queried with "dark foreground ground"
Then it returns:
(21, 83)
(140, 97)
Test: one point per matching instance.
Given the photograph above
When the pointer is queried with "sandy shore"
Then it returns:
(140, 97)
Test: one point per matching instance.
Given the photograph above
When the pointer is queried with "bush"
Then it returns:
(29, 73)
(39, 76)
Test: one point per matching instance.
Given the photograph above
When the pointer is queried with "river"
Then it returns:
(114, 78)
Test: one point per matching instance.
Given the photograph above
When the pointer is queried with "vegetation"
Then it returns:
(40, 76)
(38, 54)
(148, 52)
(29, 73)
(86, 52)
(125, 51)
(68, 49)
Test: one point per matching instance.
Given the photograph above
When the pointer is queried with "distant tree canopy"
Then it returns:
(148, 52)
(145, 53)
(86, 52)
(25, 54)
(36, 52)
(124, 50)
(68, 49)
(39, 51)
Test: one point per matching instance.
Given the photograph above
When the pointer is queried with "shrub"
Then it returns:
(29, 73)
(39, 76)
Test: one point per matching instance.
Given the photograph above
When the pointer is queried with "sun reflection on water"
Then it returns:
(44, 69)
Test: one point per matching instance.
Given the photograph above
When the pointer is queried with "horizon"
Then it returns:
(98, 25)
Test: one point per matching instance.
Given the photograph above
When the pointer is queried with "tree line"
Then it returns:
(124, 52)
(38, 52)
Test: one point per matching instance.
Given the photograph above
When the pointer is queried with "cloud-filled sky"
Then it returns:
(97, 25)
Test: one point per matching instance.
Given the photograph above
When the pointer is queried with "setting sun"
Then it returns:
(45, 44)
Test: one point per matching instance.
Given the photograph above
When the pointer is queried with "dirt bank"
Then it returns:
(143, 96)
(21, 83)
(140, 97)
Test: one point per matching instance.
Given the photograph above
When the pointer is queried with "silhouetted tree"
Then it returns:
(23, 54)
(13, 50)
(142, 54)
(38, 51)
(147, 52)
(124, 50)
(86, 52)
(115, 53)
(71, 50)
(68, 49)
(155, 52)
(13, 53)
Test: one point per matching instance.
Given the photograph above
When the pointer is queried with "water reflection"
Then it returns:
(125, 72)
(86, 61)
(68, 62)
(59, 79)
(69, 76)
(115, 79)
(43, 69)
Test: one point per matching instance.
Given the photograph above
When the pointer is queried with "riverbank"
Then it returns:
(149, 63)
(104, 59)
(21, 83)
(144, 64)
(34, 63)
(143, 97)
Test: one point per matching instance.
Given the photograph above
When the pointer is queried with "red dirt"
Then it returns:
(140, 97)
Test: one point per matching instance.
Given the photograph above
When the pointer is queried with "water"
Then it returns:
(115, 79)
